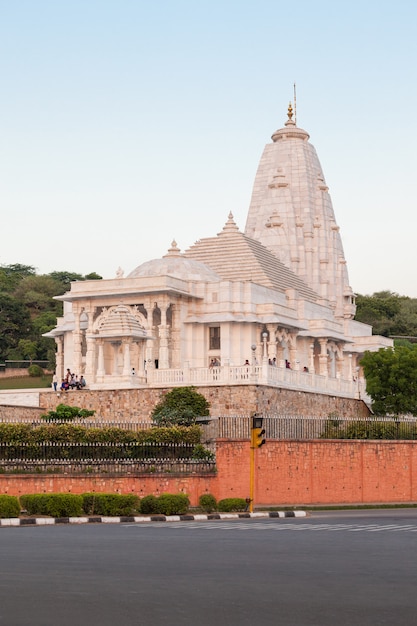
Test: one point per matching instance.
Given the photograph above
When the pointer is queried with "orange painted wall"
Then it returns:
(321, 472)
(287, 473)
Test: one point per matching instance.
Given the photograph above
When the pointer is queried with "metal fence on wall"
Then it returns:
(88, 458)
(307, 428)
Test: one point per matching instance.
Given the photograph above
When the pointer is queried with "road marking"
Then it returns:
(282, 526)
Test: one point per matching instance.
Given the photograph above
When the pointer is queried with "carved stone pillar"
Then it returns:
(90, 359)
(100, 365)
(59, 341)
(272, 343)
(311, 357)
(127, 368)
(163, 330)
(150, 364)
(323, 357)
(293, 350)
(163, 347)
(76, 339)
(116, 364)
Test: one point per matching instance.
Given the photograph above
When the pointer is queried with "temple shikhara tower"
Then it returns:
(291, 214)
(271, 305)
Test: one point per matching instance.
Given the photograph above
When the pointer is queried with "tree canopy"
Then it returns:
(28, 309)
(388, 313)
(391, 380)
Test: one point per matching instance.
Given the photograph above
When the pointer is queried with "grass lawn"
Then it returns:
(26, 382)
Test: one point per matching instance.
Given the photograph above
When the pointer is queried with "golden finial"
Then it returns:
(290, 114)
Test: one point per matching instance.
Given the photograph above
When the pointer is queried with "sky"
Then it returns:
(126, 124)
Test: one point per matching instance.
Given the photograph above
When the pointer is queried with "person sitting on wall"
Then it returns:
(81, 383)
(64, 385)
(73, 382)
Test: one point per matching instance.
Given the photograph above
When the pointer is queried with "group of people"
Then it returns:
(71, 381)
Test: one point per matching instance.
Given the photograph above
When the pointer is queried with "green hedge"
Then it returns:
(149, 505)
(9, 506)
(110, 504)
(232, 504)
(207, 503)
(74, 433)
(165, 504)
(53, 504)
(369, 429)
(105, 504)
(173, 504)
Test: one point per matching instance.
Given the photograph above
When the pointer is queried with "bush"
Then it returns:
(110, 504)
(66, 413)
(173, 504)
(53, 504)
(35, 371)
(180, 406)
(207, 503)
(369, 429)
(232, 504)
(9, 506)
(149, 505)
(75, 433)
(200, 453)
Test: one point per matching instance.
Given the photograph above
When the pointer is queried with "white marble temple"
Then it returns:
(276, 296)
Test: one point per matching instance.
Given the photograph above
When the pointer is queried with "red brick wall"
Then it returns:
(287, 473)
(321, 472)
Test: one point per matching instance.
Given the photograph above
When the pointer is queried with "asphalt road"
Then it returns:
(330, 569)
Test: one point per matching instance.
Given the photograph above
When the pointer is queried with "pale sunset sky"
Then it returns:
(127, 124)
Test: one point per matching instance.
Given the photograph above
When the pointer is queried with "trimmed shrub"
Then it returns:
(53, 504)
(231, 504)
(66, 413)
(180, 406)
(149, 505)
(173, 504)
(110, 504)
(9, 506)
(75, 433)
(35, 370)
(207, 503)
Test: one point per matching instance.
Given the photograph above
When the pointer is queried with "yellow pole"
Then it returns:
(251, 471)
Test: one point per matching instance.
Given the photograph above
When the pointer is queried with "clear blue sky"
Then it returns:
(127, 123)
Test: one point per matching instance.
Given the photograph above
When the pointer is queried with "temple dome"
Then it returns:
(175, 264)
(119, 321)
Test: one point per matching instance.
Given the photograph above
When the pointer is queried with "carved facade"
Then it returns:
(276, 295)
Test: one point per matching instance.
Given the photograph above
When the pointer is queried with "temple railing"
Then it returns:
(258, 375)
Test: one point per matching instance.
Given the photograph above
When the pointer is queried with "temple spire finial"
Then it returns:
(290, 112)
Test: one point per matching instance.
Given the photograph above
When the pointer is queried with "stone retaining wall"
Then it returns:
(137, 404)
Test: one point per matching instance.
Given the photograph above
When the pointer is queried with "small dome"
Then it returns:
(176, 265)
(120, 322)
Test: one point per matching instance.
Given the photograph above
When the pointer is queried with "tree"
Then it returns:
(27, 348)
(11, 275)
(180, 406)
(14, 324)
(66, 413)
(391, 379)
(93, 276)
(388, 313)
(65, 278)
(37, 293)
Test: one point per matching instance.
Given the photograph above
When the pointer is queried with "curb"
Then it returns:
(52, 521)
